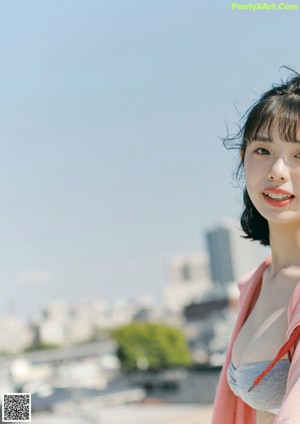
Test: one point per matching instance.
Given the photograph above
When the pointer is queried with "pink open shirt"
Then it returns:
(230, 409)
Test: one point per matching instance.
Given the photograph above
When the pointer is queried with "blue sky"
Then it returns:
(111, 115)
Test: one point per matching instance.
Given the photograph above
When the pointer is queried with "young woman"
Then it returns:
(260, 380)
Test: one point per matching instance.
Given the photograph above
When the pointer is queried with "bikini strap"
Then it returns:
(282, 351)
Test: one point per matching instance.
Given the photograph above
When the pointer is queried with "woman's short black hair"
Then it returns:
(278, 107)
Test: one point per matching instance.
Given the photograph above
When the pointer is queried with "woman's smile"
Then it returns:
(277, 197)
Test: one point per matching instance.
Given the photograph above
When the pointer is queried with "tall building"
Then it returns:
(188, 279)
(231, 256)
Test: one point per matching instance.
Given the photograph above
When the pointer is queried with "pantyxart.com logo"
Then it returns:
(255, 7)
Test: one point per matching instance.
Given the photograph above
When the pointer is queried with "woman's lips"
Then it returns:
(278, 197)
(271, 190)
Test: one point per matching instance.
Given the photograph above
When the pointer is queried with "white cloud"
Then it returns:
(34, 276)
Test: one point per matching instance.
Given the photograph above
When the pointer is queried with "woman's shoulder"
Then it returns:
(245, 281)
(253, 277)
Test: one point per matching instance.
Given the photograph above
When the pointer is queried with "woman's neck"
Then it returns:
(285, 246)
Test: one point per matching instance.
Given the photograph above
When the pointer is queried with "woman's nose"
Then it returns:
(279, 171)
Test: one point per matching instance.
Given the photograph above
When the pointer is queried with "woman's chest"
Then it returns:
(264, 331)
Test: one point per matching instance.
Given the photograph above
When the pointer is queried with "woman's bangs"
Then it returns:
(288, 120)
(282, 116)
(260, 120)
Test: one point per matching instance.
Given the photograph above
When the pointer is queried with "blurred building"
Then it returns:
(95, 312)
(188, 279)
(231, 255)
(200, 311)
(15, 334)
(60, 327)
(57, 310)
(51, 332)
(89, 320)
(208, 325)
(122, 312)
(146, 310)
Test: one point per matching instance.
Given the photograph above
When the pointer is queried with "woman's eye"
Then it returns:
(262, 151)
(297, 156)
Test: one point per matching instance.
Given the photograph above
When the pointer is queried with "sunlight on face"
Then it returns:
(272, 173)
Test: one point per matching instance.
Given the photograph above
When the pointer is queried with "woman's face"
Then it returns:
(272, 172)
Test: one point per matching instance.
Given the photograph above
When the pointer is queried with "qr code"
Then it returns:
(16, 407)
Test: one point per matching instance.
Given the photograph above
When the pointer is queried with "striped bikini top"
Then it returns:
(244, 380)
(267, 396)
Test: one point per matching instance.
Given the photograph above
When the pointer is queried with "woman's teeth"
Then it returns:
(278, 196)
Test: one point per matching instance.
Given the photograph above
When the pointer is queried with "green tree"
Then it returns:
(151, 346)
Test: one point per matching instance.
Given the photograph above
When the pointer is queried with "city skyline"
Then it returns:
(112, 118)
(197, 267)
